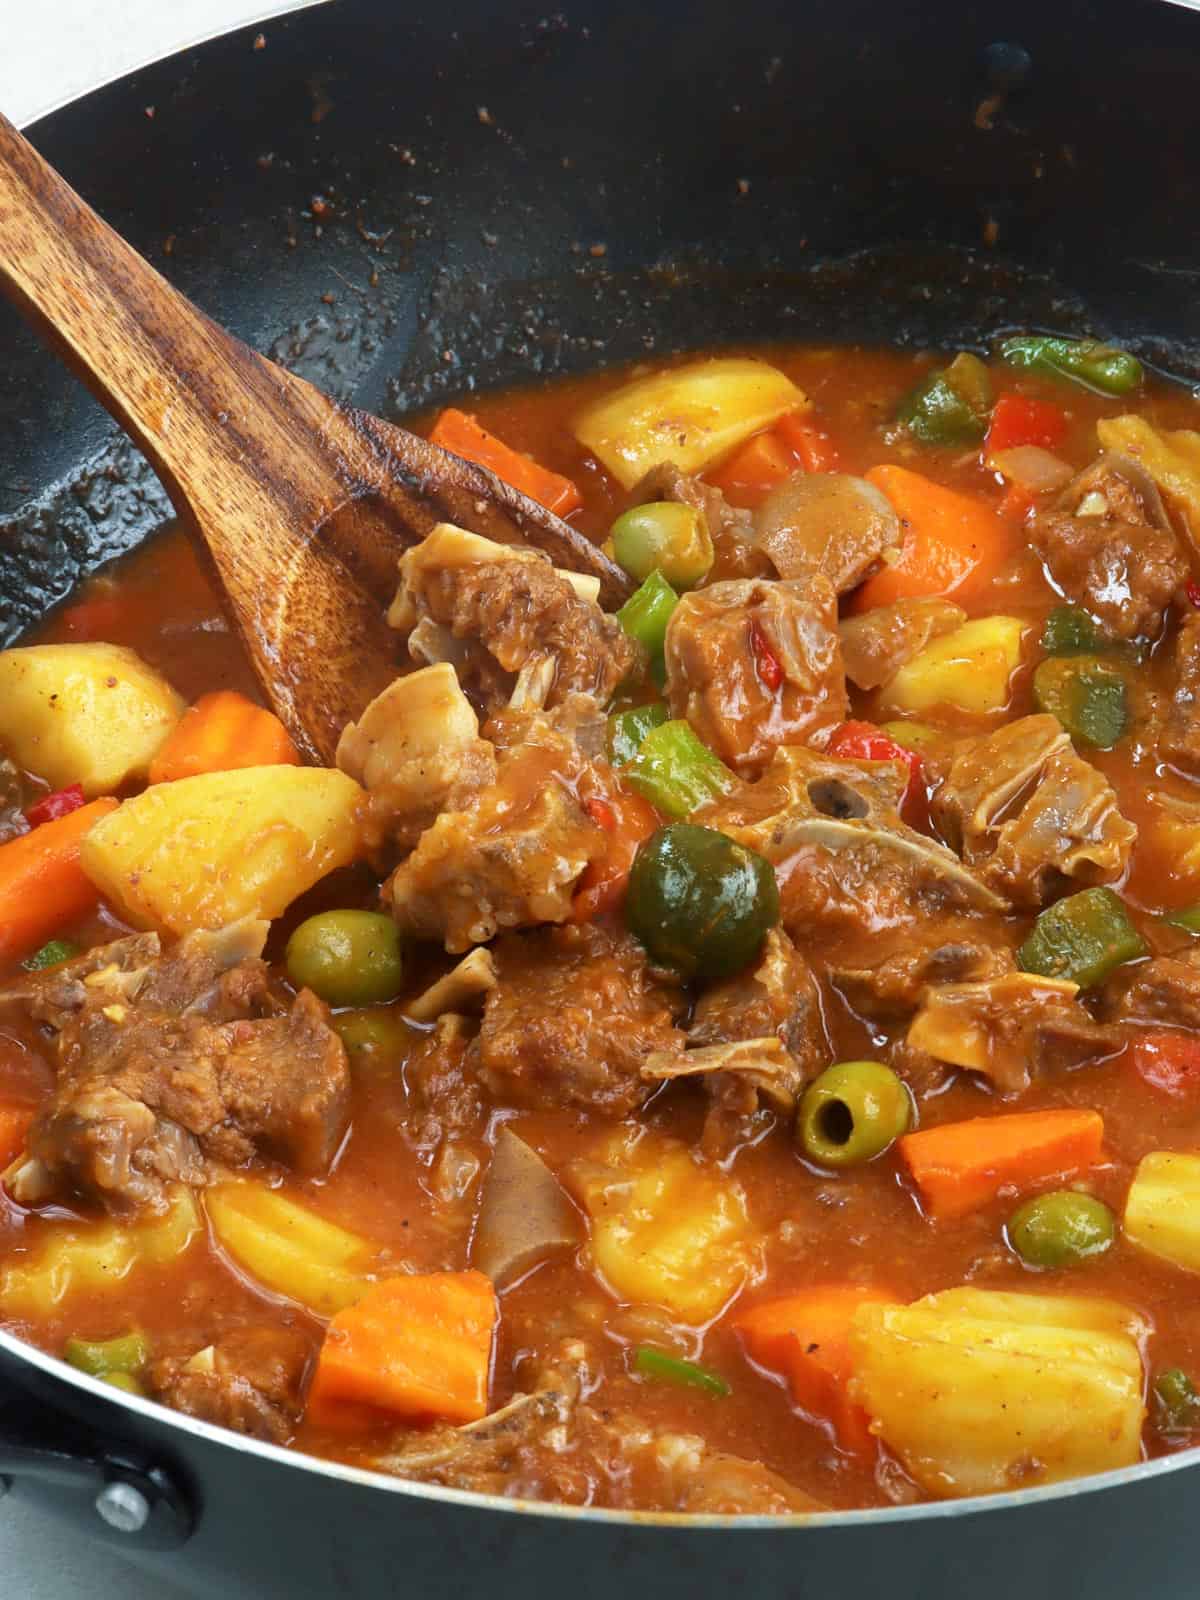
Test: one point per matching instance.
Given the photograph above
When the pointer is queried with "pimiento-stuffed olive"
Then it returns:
(1059, 1229)
(852, 1113)
(349, 958)
(700, 902)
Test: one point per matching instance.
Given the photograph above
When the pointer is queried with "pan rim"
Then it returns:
(361, 1477)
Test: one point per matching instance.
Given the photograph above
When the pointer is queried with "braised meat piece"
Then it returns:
(1109, 547)
(754, 665)
(1165, 989)
(826, 523)
(876, 644)
(1179, 742)
(511, 856)
(250, 1380)
(12, 797)
(777, 995)
(549, 1442)
(1030, 814)
(508, 621)
(949, 949)
(729, 527)
(1008, 1029)
(574, 1015)
(846, 861)
(168, 1067)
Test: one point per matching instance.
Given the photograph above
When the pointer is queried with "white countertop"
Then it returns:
(53, 52)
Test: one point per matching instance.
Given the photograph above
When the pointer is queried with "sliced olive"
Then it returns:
(349, 958)
(852, 1113)
(700, 902)
(376, 1034)
(1088, 696)
(1059, 1229)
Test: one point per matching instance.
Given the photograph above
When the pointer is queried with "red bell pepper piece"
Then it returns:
(1016, 419)
(1167, 1060)
(627, 819)
(766, 663)
(812, 446)
(863, 741)
(52, 806)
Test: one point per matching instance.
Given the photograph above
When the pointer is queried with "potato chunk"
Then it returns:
(93, 714)
(687, 416)
(978, 1391)
(969, 669)
(207, 851)
(1162, 1208)
(288, 1248)
(94, 1259)
(664, 1229)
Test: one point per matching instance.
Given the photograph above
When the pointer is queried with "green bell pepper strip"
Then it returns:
(645, 615)
(128, 1354)
(627, 731)
(50, 955)
(1087, 695)
(1188, 919)
(1176, 1403)
(653, 1363)
(950, 405)
(1082, 938)
(1070, 631)
(676, 772)
(1097, 366)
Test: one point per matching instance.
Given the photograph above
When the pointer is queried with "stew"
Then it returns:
(739, 1054)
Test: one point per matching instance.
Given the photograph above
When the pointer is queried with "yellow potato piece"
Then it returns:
(664, 1230)
(1162, 1208)
(690, 416)
(94, 1258)
(978, 1391)
(93, 714)
(970, 669)
(288, 1248)
(207, 851)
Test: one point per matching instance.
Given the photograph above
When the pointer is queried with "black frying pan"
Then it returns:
(468, 159)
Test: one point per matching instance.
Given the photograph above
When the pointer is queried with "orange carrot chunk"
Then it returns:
(951, 540)
(222, 731)
(961, 1166)
(14, 1125)
(805, 1338)
(813, 447)
(43, 888)
(749, 475)
(463, 436)
(417, 1346)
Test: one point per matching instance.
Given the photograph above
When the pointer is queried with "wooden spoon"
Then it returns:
(305, 505)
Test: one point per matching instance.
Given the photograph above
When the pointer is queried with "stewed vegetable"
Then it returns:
(1088, 696)
(663, 537)
(852, 1113)
(1097, 366)
(699, 902)
(349, 958)
(1061, 1228)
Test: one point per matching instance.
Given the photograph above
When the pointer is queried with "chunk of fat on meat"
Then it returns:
(1007, 1029)
(1028, 813)
(415, 745)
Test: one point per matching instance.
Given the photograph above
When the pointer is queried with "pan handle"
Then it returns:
(113, 1489)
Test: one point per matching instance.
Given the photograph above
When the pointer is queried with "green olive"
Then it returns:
(699, 902)
(852, 1113)
(665, 537)
(349, 958)
(375, 1035)
(1059, 1229)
